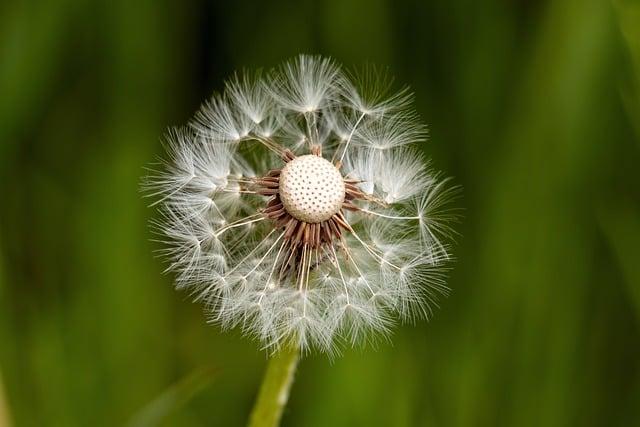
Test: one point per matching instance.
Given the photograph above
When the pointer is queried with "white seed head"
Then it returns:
(263, 228)
(311, 189)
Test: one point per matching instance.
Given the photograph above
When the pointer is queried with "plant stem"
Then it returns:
(274, 391)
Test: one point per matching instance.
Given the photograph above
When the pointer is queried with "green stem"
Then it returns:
(274, 391)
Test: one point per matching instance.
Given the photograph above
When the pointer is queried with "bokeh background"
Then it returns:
(533, 107)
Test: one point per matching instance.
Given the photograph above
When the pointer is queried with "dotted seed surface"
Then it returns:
(311, 188)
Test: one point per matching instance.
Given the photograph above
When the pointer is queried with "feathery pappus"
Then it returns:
(297, 207)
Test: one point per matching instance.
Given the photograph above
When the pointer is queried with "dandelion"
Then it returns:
(296, 207)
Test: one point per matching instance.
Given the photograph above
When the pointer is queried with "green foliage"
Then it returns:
(533, 106)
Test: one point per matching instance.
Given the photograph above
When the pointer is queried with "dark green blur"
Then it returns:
(533, 107)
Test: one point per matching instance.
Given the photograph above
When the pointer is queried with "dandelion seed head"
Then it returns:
(296, 208)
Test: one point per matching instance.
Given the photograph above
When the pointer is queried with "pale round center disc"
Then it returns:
(311, 189)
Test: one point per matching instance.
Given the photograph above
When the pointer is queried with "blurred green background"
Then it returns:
(533, 107)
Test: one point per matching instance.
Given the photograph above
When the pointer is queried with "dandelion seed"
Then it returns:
(294, 207)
